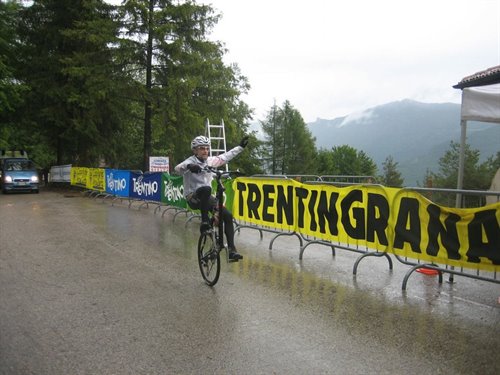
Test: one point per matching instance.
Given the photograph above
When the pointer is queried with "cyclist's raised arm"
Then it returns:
(220, 160)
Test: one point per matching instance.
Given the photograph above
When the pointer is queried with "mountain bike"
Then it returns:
(211, 241)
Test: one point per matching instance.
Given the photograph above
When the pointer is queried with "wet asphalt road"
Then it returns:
(90, 287)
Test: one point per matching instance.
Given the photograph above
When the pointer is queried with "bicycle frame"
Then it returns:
(219, 195)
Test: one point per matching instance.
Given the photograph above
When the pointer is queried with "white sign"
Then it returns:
(159, 164)
(60, 173)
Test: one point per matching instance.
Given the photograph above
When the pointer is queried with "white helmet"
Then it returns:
(200, 141)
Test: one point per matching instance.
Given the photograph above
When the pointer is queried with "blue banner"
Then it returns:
(146, 186)
(117, 182)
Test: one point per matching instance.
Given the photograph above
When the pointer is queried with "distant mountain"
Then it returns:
(415, 134)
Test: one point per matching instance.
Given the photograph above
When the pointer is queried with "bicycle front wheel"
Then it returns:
(208, 258)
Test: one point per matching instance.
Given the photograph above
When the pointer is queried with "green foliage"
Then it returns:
(183, 77)
(391, 176)
(74, 98)
(289, 145)
(93, 84)
(11, 89)
(345, 161)
(325, 165)
(477, 176)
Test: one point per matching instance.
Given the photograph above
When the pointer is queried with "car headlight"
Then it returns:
(34, 178)
(8, 179)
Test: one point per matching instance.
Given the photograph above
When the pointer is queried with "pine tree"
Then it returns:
(391, 176)
(75, 86)
(345, 161)
(477, 176)
(184, 80)
(10, 89)
(289, 143)
(95, 91)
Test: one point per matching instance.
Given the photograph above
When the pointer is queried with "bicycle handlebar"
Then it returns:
(219, 173)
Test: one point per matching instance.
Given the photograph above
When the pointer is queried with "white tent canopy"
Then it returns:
(480, 102)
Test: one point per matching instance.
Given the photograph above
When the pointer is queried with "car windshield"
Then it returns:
(20, 165)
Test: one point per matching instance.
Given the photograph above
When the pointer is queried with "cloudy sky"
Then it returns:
(332, 58)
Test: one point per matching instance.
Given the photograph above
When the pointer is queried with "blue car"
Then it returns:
(19, 174)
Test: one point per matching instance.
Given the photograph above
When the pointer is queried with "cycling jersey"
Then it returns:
(193, 181)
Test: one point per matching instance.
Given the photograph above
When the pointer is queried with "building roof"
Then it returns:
(484, 77)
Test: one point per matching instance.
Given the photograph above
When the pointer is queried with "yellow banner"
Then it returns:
(397, 221)
(79, 176)
(96, 179)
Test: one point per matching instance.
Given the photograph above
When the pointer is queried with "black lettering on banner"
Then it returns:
(240, 187)
(377, 203)
(329, 212)
(253, 201)
(358, 231)
(301, 194)
(407, 227)
(312, 202)
(267, 202)
(285, 205)
(487, 223)
(447, 232)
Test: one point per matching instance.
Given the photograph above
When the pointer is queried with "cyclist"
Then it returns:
(198, 185)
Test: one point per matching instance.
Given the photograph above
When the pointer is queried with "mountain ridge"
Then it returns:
(415, 134)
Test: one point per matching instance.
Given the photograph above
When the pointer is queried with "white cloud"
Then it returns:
(359, 117)
(334, 57)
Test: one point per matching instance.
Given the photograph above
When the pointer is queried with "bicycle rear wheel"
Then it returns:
(208, 258)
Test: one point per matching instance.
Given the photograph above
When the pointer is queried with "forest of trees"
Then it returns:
(87, 83)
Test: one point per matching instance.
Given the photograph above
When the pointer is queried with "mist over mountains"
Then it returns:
(415, 134)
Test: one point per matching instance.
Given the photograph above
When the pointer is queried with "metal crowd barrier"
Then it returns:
(446, 269)
(305, 241)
